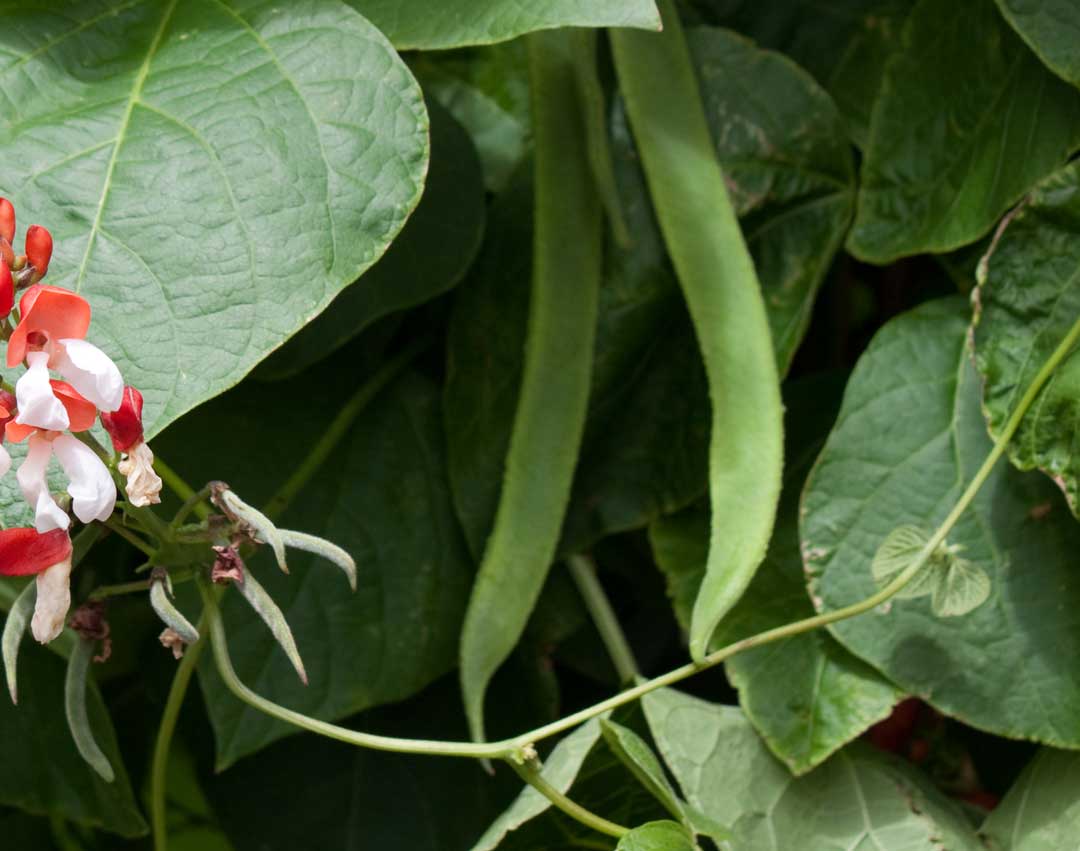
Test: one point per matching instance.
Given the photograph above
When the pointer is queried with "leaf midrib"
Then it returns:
(125, 122)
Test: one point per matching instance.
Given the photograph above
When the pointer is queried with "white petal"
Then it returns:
(143, 484)
(53, 601)
(38, 405)
(93, 492)
(35, 488)
(90, 371)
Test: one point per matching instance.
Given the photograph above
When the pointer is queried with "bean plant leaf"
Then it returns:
(382, 496)
(43, 772)
(899, 549)
(213, 172)
(1041, 812)
(635, 753)
(429, 256)
(845, 44)
(966, 122)
(1051, 28)
(909, 439)
(657, 836)
(1026, 307)
(807, 696)
(438, 24)
(859, 798)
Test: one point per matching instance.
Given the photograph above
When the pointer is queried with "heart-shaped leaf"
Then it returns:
(909, 438)
(213, 171)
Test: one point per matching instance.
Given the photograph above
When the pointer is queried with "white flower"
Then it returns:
(93, 492)
(90, 371)
(38, 405)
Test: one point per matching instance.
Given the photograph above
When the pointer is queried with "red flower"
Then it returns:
(125, 424)
(25, 551)
(81, 412)
(50, 312)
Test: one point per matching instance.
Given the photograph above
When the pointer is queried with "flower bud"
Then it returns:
(39, 249)
(7, 288)
(7, 220)
(124, 425)
(7, 253)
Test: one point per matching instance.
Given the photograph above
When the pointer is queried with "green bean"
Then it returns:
(75, 708)
(717, 277)
(550, 416)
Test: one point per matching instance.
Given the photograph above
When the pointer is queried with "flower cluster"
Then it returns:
(49, 336)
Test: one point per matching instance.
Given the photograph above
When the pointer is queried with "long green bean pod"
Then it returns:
(550, 416)
(717, 277)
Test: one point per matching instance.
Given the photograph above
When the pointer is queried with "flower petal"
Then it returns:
(82, 412)
(93, 492)
(38, 405)
(56, 312)
(53, 601)
(24, 551)
(143, 484)
(91, 372)
(35, 487)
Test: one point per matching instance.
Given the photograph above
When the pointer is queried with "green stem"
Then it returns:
(116, 526)
(178, 486)
(340, 426)
(160, 766)
(192, 503)
(531, 775)
(122, 588)
(365, 740)
(583, 571)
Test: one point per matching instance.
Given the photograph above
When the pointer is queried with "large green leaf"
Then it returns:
(1051, 28)
(807, 696)
(433, 24)
(909, 438)
(383, 497)
(859, 799)
(430, 255)
(213, 171)
(1027, 305)
(43, 773)
(966, 122)
(1041, 812)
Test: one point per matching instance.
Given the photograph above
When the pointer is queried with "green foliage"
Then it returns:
(1027, 305)
(951, 139)
(515, 300)
(397, 632)
(430, 24)
(856, 796)
(909, 437)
